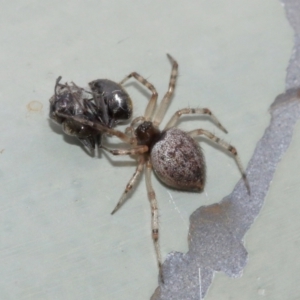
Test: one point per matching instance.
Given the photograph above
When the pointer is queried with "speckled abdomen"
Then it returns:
(178, 161)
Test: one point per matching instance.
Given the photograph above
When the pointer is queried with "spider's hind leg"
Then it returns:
(232, 150)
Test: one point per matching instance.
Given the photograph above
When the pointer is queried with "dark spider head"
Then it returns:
(147, 134)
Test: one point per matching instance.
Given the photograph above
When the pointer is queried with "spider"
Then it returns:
(109, 105)
(172, 153)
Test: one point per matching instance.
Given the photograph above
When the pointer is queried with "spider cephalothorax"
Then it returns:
(147, 134)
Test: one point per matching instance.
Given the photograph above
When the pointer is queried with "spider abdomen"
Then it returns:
(178, 161)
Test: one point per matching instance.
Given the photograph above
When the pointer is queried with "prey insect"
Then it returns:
(107, 104)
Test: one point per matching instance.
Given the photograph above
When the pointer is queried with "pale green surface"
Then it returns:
(58, 238)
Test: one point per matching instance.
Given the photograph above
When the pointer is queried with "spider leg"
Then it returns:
(189, 111)
(130, 129)
(132, 151)
(160, 112)
(152, 102)
(137, 120)
(154, 214)
(132, 182)
(102, 129)
(227, 147)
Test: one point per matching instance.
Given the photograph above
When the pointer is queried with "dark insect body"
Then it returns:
(107, 104)
(112, 101)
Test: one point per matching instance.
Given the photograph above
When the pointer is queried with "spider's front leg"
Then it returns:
(152, 102)
(131, 184)
(132, 151)
(130, 130)
(101, 128)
